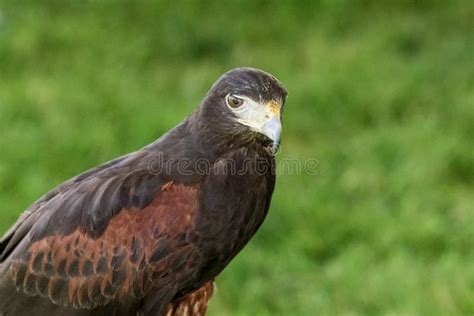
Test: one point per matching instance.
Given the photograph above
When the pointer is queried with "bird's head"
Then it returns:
(245, 105)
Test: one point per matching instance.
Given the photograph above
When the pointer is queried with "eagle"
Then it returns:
(148, 232)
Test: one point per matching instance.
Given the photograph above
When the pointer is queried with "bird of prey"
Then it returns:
(147, 233)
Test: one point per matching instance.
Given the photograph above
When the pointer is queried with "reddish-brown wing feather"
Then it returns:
(194, 304)
(140, 249)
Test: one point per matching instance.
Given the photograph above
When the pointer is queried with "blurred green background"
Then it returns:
(381, 93)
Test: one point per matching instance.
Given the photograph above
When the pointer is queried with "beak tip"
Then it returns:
(275, 147)
(272, 129)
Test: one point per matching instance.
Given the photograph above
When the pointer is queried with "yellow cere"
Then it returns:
(274, 107)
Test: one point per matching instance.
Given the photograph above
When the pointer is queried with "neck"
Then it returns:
(200, 140)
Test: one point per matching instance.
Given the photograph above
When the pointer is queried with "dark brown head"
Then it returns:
(244, 105)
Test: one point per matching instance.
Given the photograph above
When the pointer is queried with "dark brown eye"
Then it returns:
(234, 102)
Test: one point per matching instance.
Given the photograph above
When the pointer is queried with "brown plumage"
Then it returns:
(85, 272)
(128, 238)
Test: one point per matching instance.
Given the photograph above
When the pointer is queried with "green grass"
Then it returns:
(381, 94)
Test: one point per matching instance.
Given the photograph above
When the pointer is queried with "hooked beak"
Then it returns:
(272, 129)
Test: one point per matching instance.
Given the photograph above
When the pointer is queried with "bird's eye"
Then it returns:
(234, 102)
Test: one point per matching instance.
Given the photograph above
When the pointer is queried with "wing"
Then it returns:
(137, 247)
(107, 237)
(25, 223)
